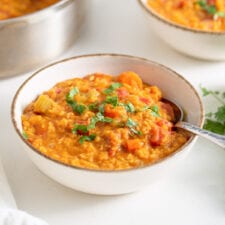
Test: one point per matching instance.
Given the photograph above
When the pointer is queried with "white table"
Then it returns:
(193, 195)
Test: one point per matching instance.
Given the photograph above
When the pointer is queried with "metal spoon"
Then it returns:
(179, 115)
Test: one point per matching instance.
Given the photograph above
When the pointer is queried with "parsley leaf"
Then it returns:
(84, 138)
(129, 107)
(214, 126)
(131, 123)
(78, 108)
(112, 88)
(113, 100)
(80, 128)
(220, 114)
(25, 136)
(71, 94)
(215, 121)
(93, 107)
(155, 110)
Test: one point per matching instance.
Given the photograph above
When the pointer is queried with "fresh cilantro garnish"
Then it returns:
(71, 94)
(112, 88)
(113, 100)
(80, 128)
(101, 118)
(78, 108)
(25, 136)
(132, 126)
(93, 107)
(101, 108)
(131, 123)
(155, 110)
(210, 9)
(138, 132)
(215, 121)
(129, 107)
(214, 126)
(84, 138)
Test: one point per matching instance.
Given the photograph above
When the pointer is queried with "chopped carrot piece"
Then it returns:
(133, 144)
(131, 79)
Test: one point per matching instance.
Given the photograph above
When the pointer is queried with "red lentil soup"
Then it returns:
(207, 15)
(15, 8)
(102, 122)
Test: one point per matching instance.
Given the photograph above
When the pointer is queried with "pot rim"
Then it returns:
(39, 14)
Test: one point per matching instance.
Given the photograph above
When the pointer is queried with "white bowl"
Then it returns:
(174, 87)
(196, 43)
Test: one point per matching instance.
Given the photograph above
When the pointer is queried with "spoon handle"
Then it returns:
(216, 138)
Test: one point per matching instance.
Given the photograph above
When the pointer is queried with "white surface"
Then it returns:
(194, 195)
(6, 197)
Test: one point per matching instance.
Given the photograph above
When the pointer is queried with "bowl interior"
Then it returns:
(173, 86)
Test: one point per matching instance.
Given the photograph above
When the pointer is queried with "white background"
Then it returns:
(193, 195)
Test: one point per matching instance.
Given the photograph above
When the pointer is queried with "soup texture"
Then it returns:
(103, 122)
(15, 8)
(207, 15)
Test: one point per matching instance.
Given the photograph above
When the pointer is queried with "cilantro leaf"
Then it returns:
(215, 121)
(113, 100)
(93, 107)
(131, 123)
(79, 108)
(129, 107)
(155, 110)
(80, 128)
(25, 136)
(220, 114)
(84, 138)
(214, 126)
(112, 88)
(71, 94)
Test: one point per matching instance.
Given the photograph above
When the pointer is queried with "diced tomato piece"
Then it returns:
(122, 93)
(180, 4)
(158, 136)
(145, 100)
(211, 2)
(155, 138)
(111, 152)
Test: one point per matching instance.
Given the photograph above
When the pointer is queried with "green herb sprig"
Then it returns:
(78, 108)
(132, 126)
(210, 9)
(215, 121)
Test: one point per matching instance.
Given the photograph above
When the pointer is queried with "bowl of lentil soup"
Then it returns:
(33, 32)
(195, 28)
(97, 123)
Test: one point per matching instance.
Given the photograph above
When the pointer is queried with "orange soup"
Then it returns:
(103, 122)
(207, 15)
(15, 8)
